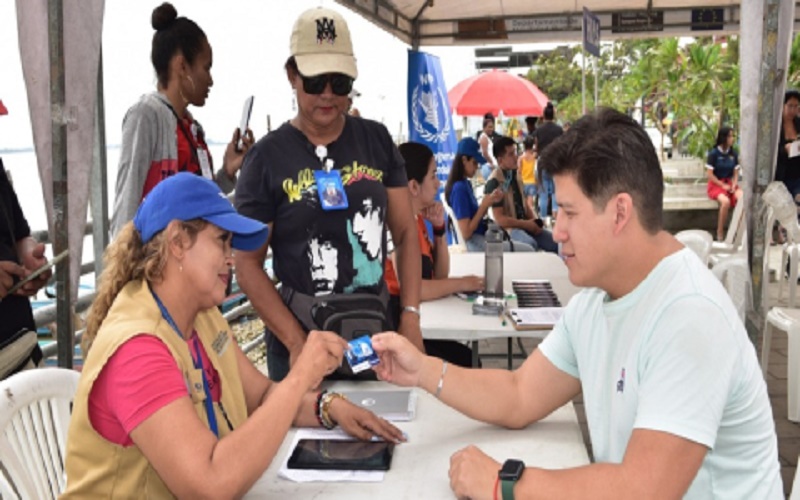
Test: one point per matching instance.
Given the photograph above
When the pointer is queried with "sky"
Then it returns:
(250, 42)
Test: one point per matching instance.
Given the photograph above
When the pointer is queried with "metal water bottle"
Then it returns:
(493, 272)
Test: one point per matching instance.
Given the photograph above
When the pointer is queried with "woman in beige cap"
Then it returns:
(279, 186)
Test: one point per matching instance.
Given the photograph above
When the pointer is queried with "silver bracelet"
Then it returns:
(411, 309)
(441, 379)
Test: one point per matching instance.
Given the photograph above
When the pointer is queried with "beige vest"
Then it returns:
(97, 468)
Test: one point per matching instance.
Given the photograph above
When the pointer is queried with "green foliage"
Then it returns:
(687, 91)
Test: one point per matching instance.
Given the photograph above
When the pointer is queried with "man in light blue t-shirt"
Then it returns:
(675, 400)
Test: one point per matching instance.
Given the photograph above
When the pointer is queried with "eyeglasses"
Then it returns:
(341, 85)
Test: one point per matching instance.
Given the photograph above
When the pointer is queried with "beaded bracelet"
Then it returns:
(328, 421)
(318, 408)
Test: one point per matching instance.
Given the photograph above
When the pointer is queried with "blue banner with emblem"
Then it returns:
(429, 118)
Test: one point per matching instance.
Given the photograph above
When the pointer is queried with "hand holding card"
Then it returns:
(360, 355)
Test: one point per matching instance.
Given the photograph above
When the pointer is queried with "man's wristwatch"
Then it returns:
(509, 475)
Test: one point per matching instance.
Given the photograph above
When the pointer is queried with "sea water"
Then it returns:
(24, 174)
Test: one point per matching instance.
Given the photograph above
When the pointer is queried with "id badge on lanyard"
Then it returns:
(205, 164)
(202, 155)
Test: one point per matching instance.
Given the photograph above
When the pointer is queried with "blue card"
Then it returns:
(360, 355)
(330, 189)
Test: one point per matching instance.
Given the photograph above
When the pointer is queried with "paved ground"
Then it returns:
(788, 432)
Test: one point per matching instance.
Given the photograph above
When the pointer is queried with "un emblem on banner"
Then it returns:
(430, 118)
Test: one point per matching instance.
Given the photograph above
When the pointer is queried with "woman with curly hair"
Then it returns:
(167, 403)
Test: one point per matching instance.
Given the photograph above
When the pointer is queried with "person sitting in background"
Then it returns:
(423, 185)
(676, 403)
(20, 255)
(471, 215)
(527, 169)
(722, 168)
(511, 212)
(167, 403)
(160, 137)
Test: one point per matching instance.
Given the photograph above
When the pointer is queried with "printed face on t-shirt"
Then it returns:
(324, 265)
(366, 226)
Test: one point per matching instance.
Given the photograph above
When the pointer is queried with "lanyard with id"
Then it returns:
(199, 154)
(329, 183)
(198, 365)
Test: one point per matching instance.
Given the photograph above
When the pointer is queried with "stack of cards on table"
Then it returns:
(535, 293)
(360, 356)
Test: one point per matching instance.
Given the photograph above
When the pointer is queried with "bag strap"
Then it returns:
(302, 305)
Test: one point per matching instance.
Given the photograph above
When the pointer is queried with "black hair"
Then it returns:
(489, 116)
(291, 64)
(487, 120)
(549, 111)
(418, 158)
(722, 135)
(456, 174)
(528, 142)
(609, 153)
(530, 120)
(173, 35)
(791, 94)
(500, 145)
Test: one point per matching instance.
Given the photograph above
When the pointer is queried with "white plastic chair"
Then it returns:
(459, 245)
(787, 320)
(698, 241)
(35, 409)
(734, 273)
(784, 210)
(795, 494)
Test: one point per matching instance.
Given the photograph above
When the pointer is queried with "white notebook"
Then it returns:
(535, 318)
(396, 406)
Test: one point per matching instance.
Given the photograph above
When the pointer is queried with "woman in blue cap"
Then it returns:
(458, 192)
(168, 404)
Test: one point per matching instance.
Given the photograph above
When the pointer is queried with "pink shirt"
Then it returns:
(139, 379)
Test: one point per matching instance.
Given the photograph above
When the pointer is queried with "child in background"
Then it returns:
(527, 168)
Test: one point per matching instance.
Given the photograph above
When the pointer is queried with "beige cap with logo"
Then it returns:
(321, 44)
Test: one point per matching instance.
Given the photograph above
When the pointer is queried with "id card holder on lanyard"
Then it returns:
(330, 188)
(197, 361)
(205, 165)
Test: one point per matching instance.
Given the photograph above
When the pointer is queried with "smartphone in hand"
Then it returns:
(245, 121)
(37, 272)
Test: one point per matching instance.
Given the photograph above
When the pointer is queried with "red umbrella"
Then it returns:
(495, 91)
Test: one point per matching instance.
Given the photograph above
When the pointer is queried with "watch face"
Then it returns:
(512, 470)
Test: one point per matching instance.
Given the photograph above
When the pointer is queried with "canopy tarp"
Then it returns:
(455, 22)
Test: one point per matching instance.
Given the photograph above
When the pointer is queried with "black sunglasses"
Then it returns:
(341, 85)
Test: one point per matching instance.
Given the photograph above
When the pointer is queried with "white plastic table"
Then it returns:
(451, 318)
(419, 467)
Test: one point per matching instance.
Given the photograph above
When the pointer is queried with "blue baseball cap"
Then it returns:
(470, 147)
(185, 196)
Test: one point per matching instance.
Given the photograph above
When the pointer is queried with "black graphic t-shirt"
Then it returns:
(315, 251)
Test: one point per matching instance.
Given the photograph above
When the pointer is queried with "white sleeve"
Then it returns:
(557, 347)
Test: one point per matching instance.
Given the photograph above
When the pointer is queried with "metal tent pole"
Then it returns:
(55, 28)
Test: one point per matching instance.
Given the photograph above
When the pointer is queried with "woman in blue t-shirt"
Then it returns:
(471, 215)
(722, 168)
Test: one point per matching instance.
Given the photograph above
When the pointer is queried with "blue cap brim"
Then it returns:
(480, 159)
(248, 234)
